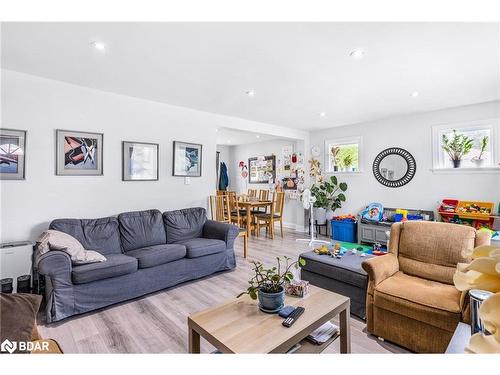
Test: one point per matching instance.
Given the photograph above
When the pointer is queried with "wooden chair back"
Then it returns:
(278, 203)
(263, 195)
(219, 205)
(252, 193)
(222, 192)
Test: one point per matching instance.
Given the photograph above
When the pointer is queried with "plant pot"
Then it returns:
(271, 302)
(456, 163)
(329, 214)
(320, 215)
(477, 162)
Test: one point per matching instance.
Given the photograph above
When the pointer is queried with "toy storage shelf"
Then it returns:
(475, 213)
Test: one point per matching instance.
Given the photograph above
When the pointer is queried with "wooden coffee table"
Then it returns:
(238, 326)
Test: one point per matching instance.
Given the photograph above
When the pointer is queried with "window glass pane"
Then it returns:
(479, 155)
(343, 157)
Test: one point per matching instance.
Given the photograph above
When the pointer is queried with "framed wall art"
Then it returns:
(262, 169)
(12, 154)
(139, 161)
(78, 153)
(187, 159)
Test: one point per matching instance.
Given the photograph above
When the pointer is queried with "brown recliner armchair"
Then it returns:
(411, 299)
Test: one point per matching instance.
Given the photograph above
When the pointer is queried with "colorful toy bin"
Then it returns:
(344, 229)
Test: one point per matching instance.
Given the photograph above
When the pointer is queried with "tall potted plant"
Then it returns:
(457, 147)
(329, 196)
(267, 285)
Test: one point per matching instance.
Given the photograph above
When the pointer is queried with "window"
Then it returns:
(466, 146)
(343, 155)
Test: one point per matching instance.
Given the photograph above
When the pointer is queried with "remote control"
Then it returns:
(293, 317)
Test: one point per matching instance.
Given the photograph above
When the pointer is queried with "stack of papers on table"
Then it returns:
(323, 333)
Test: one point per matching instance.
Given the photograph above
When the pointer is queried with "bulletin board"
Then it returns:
(262, 169)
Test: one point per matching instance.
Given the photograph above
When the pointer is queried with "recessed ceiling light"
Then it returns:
(250, 93)
(322, 114)
(98, 45)
(414, 94)
(228, 141)
(216, 130)
(357, 53)
(257, 136)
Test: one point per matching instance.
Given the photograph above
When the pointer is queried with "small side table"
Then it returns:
(460, 339)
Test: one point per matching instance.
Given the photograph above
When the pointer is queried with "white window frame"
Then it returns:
(437, 155)
(344, 141)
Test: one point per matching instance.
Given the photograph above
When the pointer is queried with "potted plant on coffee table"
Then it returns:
(267, 285)
(457, 147)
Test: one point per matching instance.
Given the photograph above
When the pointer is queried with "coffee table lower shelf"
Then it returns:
(307, 347)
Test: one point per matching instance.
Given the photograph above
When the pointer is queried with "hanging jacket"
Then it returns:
(223, 177)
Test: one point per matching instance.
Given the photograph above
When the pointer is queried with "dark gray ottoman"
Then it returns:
(344, 276)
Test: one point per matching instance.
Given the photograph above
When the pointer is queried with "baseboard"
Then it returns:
(295, 227)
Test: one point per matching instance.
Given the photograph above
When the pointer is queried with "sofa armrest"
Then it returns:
(221, 231)
(55, 264)
(380, 268)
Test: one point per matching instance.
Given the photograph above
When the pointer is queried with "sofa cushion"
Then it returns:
(115, 265)
(101, 235)
(199, 247)
(184, 224)
(158, 254)
(141, 229)
(428, 301)
(18, 313)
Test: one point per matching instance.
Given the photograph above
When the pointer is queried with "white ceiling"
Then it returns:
(232, 137)
(296, 69)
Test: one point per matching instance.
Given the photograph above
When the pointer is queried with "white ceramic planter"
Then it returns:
(329, 214)
(320, 215)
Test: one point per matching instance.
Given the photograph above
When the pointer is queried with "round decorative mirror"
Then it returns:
(394, 167)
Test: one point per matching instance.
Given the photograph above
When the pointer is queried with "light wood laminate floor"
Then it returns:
(157, 322)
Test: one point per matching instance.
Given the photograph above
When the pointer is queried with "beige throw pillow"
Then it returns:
(56, 240)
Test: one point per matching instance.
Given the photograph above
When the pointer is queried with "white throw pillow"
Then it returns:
(56, 240)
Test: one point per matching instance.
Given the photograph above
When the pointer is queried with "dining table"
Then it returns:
(249, 204)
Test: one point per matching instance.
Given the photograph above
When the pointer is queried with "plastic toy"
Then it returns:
(373, 212)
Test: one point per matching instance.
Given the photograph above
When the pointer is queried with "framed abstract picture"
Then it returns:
(139, 161)
(187, 159)
(12, 154)
(262, 169)
(78, 153)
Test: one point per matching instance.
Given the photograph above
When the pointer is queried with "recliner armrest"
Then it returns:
(381, 267)
(221, 231)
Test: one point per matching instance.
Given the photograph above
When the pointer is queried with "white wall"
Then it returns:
(413, 133)
(40, 106)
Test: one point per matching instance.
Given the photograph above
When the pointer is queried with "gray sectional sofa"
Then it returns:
(145, 251)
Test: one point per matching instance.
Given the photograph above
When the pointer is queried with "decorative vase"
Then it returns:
(271, 302)
(329, 214)
(320, 215)
(456, 163)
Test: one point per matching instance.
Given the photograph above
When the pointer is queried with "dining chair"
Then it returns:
(276, 214)
(222, 210)
(219, 206)
(252, 193)
(263, 196)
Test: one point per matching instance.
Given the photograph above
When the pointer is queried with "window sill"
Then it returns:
(485, 170)
(344, 173)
